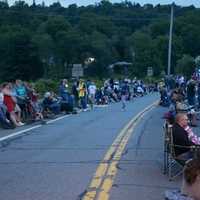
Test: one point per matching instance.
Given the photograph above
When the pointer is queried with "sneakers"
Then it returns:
(21, 124)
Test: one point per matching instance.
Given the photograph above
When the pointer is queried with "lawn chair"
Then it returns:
(169, 162)
(166, 128)
(173, 165)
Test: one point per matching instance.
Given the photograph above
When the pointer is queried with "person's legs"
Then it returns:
(123, 99)
(4, 121)
(91, 100)
(13, 118)
(55, 108)
(83, 102)
(18, 114)
(3, 113)
(66, 107)
(186, 156)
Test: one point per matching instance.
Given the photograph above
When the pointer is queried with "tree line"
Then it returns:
(41, 41)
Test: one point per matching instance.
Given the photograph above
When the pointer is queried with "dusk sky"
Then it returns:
(65, 3)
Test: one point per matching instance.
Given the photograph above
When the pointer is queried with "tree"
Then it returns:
(67, 48)
(161, 48)
(197, 61)
(191, 38)
(56, 24)
(21, 56)
(143, 47)
(159, 28)
(55, 37)
(87, 23)
(100, 50)
(45, 45)
(185, 65)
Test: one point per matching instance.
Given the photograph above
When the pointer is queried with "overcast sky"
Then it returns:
(65, 3)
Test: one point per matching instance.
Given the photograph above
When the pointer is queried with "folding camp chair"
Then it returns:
(173, 165)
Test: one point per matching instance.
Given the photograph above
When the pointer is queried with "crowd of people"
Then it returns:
(183, 99)
(20, 103)
(184, 104)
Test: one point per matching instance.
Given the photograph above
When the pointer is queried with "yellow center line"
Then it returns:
(103, 178)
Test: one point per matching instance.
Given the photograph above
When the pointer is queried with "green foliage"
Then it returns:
(43, 42)
(144, 53)
(56, 24)
(151, 80)
(159, 28)
(19, 55)
(197, 61)
(44, 85)
(186, 65)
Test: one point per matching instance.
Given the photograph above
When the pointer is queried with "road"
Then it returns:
(58, 161)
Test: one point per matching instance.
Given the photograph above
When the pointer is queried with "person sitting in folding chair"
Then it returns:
(182, 107)
(183, 137)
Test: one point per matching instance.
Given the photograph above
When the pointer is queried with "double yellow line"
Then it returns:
(103, 178)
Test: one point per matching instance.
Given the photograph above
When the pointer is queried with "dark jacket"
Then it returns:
(180, 137)
(64, 94)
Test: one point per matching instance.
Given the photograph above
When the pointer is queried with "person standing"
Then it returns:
(124, 94)
(91, 94)
(75, 94)
(191, 92)
(82, 92)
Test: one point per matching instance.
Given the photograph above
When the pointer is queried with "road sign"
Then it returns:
(77, 70)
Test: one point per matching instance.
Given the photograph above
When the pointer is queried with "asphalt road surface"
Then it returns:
(58, 161)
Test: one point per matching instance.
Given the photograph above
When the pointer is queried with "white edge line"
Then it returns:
(54, 120)
(19, 133)
(29, 129)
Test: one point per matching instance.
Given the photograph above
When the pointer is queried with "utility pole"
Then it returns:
(170, 40)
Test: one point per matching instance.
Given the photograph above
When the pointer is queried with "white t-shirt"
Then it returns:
(140, 89)
(92, 89)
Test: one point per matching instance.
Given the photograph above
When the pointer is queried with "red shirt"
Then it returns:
(9, 102)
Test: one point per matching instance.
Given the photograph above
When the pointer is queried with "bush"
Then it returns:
(44, 85)
(151, 80)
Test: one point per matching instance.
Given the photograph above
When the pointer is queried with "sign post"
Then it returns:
(77, 70)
